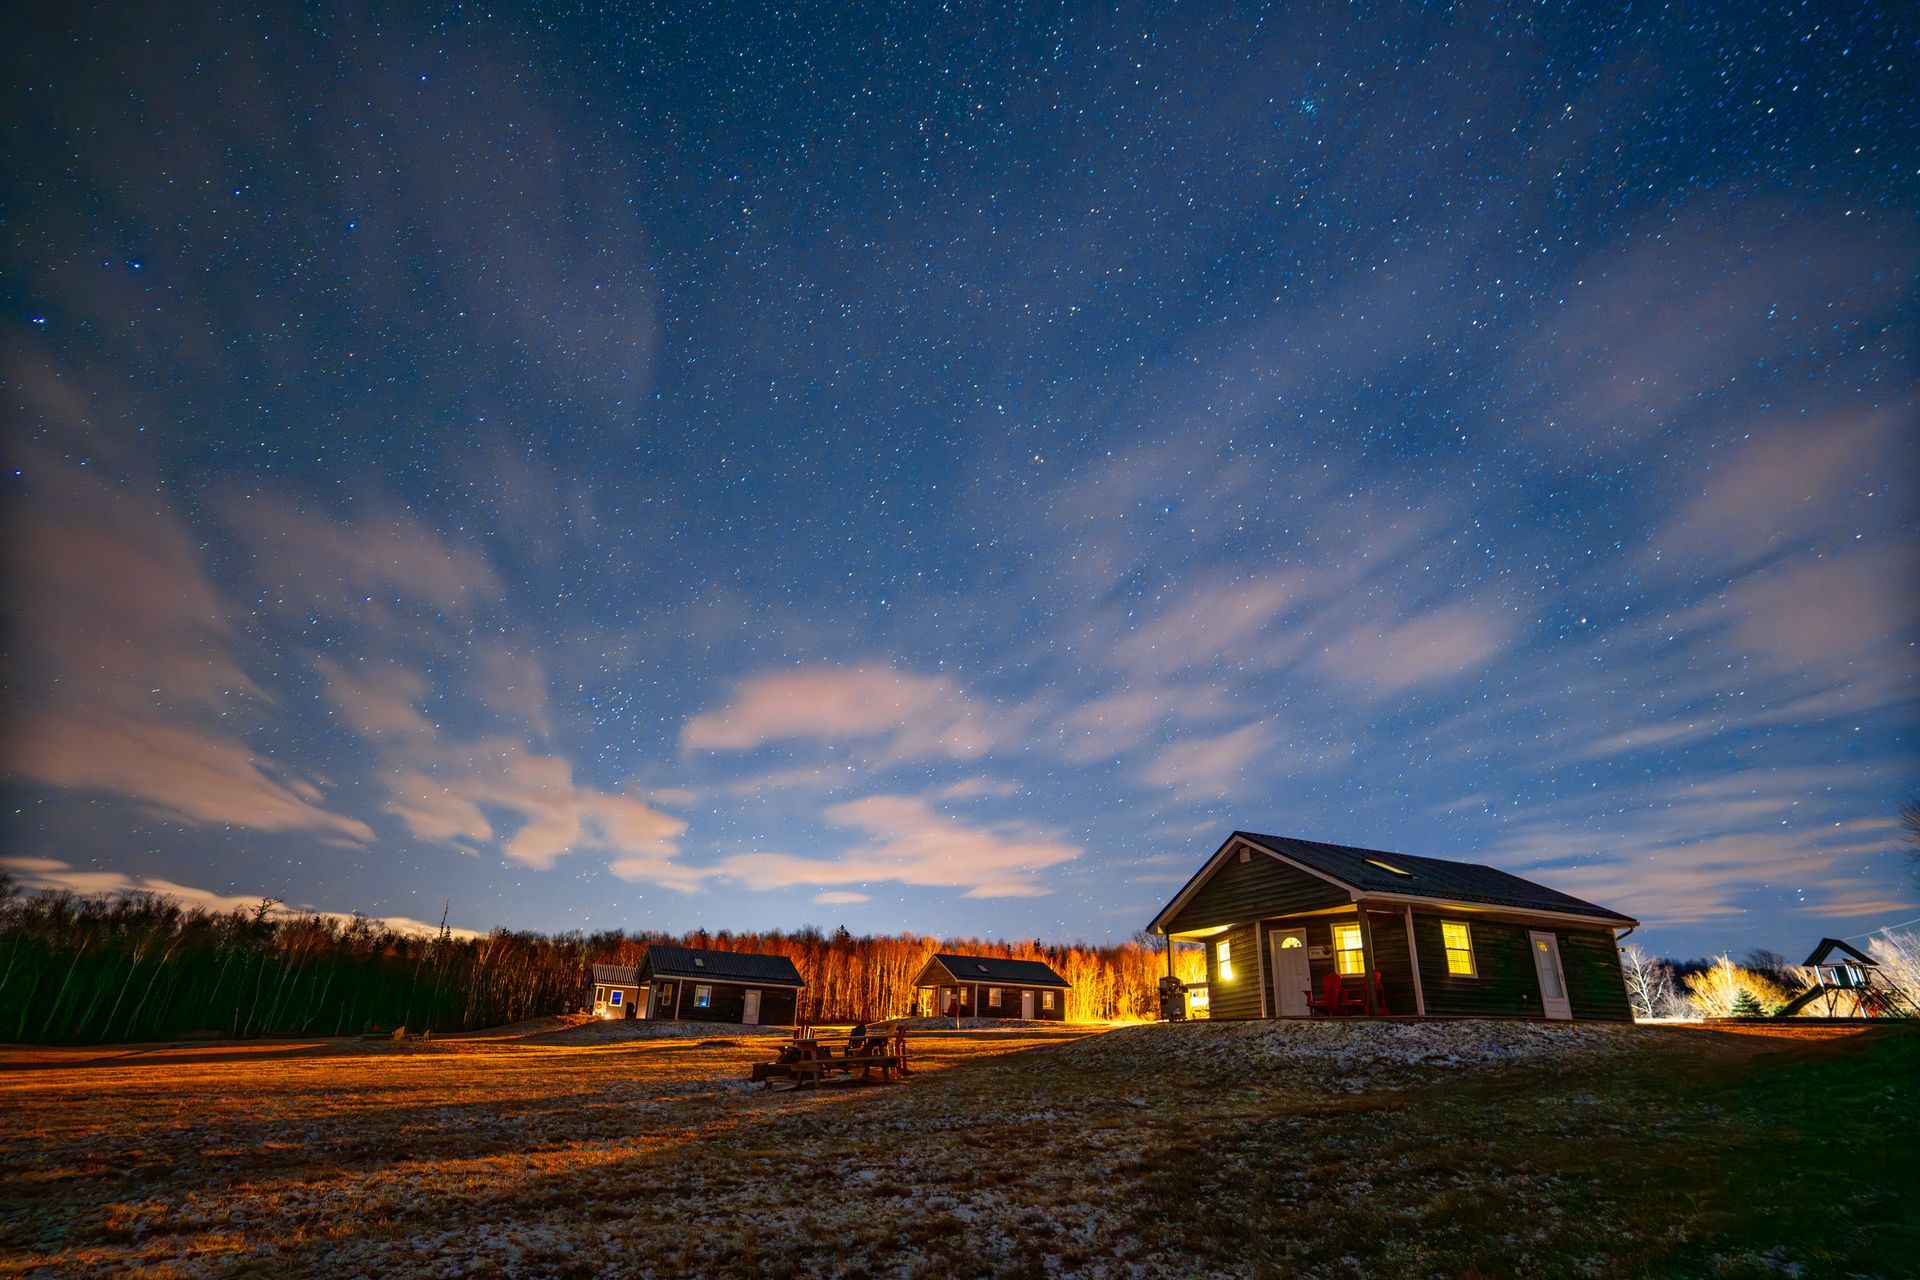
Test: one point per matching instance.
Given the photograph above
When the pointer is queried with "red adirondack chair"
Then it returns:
(1334, 1000)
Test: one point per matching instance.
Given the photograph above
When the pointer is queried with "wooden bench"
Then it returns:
(810, 1060)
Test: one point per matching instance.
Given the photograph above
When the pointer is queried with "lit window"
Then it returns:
(703, 997)
(1046, 999)
(1459, 943)
(1388, 866)
(1223, 960)
(1289, 941)
(993, 997)
(613, 998)
(1348, 957)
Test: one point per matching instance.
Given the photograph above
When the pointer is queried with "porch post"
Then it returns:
(1413, 958)
(1169, 938)
(1366, 958)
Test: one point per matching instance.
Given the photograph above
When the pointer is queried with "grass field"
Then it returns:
(1350, 1150)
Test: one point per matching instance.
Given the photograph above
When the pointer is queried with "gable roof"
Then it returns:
(1375, 872)
(1830, 945)
(725, 966)
(1011, 973)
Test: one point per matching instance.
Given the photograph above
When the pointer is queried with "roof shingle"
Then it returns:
(727, 966)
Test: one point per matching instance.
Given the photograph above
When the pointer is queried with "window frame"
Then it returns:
(616, 998)
(1046, 1001)
(1358, 950)
(702, 996)
(993, 997)
(1450, 951)
(1223, 959)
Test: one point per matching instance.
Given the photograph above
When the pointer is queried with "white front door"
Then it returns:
(751, 1014)
(1026, 1004)
(1292, 977)
(1553, 982)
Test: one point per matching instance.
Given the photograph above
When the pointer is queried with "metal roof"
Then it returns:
(1369, 872)
(1828, 946)
(726, 966)
(1012, 973)
(618, 975)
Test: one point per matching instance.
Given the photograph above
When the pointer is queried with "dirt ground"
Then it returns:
(1345, 1150)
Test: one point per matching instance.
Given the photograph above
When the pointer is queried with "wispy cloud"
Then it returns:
(910, 843)
(901, 713)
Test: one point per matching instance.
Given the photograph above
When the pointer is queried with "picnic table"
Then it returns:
(813, 1057)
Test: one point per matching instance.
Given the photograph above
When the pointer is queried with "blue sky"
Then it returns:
(927, 471)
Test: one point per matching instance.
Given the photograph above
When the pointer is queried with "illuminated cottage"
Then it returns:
(991, 987)
(685, 984)
(1291, 928)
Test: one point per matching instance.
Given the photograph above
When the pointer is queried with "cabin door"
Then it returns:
(1553, 980)
(750, 1015)
(1292, 977)
(1026, 1004)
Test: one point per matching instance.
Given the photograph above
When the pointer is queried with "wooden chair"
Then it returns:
(1334, 1001)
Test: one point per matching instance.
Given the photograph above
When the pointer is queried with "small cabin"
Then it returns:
(1297, 928)
(991, 987)
(617, 992)
(686, 984)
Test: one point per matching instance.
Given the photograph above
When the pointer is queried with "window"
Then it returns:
(703, 997)
(1223, 960)
(1348, 956)
(613, 997)
(993, 997)
(1046, 999)
(699, 963)
(1458, 940)
(1388, 866)
(599, 995)
(1288, 941)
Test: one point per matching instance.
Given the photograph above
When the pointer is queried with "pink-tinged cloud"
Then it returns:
(905, 715)
(443, 788)
(1211, 768)
(840, 897)
(1451, 641)
(178, 773)
(1221, 619)
(129, 654)
(1789, 484)
(911, 844)
(53, 874)
(367, 567)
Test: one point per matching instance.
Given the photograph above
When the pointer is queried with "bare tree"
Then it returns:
(1650, 984)
(1910, 835)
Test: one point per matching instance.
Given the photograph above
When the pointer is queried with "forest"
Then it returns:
(106, 968)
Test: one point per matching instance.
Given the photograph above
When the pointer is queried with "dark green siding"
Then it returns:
(1238, 997)
(1507, 984)
(1241, 892)
(1391, 961)
(1596, 986)
(730, 1003)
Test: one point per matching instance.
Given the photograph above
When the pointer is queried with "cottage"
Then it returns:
(1293, 927)
(690, 985)
(617, 992)
(990, 987)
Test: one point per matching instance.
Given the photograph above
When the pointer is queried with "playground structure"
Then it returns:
(1851, 986)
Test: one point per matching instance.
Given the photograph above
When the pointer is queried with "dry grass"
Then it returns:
(1010, 1154)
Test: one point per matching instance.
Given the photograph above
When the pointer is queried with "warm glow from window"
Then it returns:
(703, 997)
(1348, 957)
(1388, 866)
(1046, 999)
(993, 997)
(1290, 941)
(1223, 960)
(1459, 943)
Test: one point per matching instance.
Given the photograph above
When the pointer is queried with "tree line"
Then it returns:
(141, 966)
(1757, 986)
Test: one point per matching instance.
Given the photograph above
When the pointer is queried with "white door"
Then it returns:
(1026, 1004)
(751, 1015)
(1292, 977)
(1553, 982)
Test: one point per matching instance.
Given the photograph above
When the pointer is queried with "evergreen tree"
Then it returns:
(1745, 1006)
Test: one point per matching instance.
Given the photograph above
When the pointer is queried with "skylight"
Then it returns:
(982, 968)
(1388, 866)
(699, 962)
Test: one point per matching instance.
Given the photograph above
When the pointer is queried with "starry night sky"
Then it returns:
(925, 469)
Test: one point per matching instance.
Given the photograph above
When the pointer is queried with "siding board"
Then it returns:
(1241, 892)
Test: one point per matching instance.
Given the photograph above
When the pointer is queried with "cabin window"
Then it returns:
(1348, 956)
(703, 997)
(599, 995)
(993, 997)
(1046, 999)
(1458, 939)
(1223, 960)
(613, 998)
(1288, 941)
